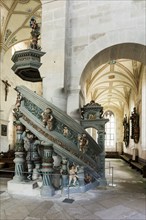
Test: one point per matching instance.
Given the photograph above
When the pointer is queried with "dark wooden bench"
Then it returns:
(7, 164)
(140, 165)
(112, 154)
(7, 172)
(126, 157)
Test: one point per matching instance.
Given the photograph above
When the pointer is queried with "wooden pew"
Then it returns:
(7, 164)
(126, 157)
(140, 165)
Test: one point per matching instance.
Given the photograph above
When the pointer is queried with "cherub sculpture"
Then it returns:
(65, 131)
(47, 118)
(73, 175)
(83, 142)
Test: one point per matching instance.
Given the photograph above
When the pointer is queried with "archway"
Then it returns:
(113, 78)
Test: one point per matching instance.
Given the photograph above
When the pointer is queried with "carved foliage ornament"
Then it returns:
(91, 111)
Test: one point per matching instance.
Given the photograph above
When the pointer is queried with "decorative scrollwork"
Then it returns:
(67, 132)
(91, 111)
(35, 110)
(58, 142)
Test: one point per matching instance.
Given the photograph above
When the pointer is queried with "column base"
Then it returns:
(47, 191)
(102, 182)
(19, 179)
(24, 188)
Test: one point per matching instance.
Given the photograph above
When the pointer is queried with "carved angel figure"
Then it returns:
(65, 131)
(47, 118)
(18, 100)
(73, 175)
(83, 142)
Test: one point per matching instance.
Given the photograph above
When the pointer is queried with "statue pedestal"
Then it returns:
(24, 188)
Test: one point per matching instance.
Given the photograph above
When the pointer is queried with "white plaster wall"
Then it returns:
(73, 32)
(96, 25)
(53, 43)
(139, 102)
(143, 115)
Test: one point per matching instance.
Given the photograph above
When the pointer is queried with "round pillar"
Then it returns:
(47, 170)
(19, 154)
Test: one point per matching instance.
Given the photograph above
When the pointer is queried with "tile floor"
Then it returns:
(123, 198)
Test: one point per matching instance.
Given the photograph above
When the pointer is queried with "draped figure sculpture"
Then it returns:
(33, 158)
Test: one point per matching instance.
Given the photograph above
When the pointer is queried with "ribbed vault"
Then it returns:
(15, 17)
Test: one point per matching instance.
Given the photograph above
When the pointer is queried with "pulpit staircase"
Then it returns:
(32, 106)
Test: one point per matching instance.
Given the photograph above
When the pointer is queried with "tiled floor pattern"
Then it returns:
(123, 198)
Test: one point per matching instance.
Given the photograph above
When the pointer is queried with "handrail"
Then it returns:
(63, 145)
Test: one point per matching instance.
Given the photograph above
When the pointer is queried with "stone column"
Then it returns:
(73, 103)
(101, 157)
(53, 43)
(64, 172)
(81, 177)
(19, 154)
(47, 169)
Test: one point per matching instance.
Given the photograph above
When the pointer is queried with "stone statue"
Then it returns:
(16, 113)
(47, 118)
(73, 175)
(35, 33)
(31, 145)
(18, 100)
(65, 131)
(87, 178)
(83, 142)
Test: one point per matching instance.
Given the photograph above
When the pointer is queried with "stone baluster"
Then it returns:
(19, 154)
(64, 172)
(47, 169)
(81, 177)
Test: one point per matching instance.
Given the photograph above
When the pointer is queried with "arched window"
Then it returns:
(110, 130)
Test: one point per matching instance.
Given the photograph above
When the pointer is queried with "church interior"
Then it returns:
(73, 109)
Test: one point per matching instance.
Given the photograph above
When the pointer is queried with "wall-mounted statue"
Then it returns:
(83, 143)
(35, 33)
(134, 125)
(16, 112)
(48, 118)
(126, 131)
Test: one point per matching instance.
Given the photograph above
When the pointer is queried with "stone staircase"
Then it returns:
(31, 109)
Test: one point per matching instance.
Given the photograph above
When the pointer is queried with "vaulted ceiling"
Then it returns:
(109, 84)
(15, 18)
